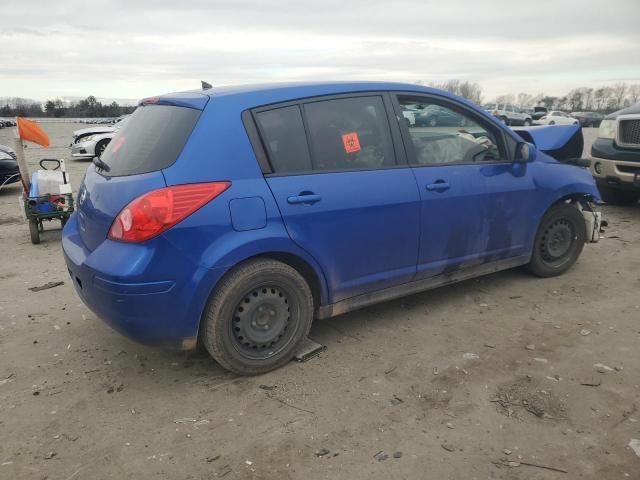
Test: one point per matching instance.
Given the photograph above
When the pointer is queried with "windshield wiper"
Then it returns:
(100, 164)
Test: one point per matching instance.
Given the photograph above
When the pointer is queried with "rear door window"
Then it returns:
(151, 140)
(349, 134)
(284, 139)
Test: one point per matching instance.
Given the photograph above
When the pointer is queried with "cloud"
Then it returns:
(132, 49)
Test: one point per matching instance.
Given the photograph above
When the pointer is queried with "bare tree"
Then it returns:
(618, 93)
(524, 99)
(634, 93)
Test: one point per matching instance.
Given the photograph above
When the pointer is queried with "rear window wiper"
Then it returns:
(100, 164)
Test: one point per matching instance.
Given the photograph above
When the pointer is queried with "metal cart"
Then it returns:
(47, 206)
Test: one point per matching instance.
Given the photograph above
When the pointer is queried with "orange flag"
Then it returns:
(31, 132)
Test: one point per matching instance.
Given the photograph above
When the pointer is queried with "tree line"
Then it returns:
(88, 107)
(605, 99)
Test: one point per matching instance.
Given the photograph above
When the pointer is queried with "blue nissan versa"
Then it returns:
(235, 216)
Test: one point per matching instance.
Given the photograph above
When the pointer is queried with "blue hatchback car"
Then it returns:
(235, 216)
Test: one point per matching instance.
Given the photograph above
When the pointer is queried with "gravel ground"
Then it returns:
(496, 377)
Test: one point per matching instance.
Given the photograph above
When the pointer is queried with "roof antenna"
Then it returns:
(205, 85)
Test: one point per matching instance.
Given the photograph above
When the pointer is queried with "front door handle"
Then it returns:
(304, 198)
(438, 186)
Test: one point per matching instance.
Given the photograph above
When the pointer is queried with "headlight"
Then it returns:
(607, 129)
(88, 138)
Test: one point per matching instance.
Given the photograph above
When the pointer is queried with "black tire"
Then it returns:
(504, 120)
(559, 241)
(552, 122)
(100, 147)
(527, 122)
(34, 230)
(252, 299)
(433, 122)
(615, 196)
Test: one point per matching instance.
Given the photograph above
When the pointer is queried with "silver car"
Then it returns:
(92, 142)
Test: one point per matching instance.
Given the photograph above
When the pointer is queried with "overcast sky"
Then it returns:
(136, 48)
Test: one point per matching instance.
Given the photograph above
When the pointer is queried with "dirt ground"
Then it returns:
(493, 378)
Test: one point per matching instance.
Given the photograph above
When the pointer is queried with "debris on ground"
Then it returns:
(531, 346)
(585, 332)
(46, 286)
(267, 387)
(448, 447)
(525, 395)
(212, 459)
(322, 452)
(396, 400)
(49, 455)
(592, 383)
(380, 456)
(397, 455)
(471, 356)
(635, 446)
(602, 368)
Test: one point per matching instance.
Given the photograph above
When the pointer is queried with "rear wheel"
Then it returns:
(527, 122)
(257, 317)
(559, 241)
(615, 196)
(504, 120)
(34, 230)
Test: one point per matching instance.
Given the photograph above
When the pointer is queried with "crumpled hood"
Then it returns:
(561, 142)
(92, 130)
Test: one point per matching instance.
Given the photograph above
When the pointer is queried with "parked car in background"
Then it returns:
(5, 123)
(556, 117)
(615, 157)
(509, 114)
(9, 172)
(432, 116)
(92, 142)
(234, 216)
(588, 119)
(539, 112)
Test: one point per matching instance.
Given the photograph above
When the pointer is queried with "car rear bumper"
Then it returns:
(117, 282)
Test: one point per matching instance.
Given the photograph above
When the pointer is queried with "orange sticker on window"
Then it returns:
(351, 142)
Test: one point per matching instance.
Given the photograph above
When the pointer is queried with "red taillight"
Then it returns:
(157, 211)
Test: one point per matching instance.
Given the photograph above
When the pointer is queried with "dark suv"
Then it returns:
(615, 157)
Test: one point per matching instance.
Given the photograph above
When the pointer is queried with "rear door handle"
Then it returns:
(308, 199)
(439, 186)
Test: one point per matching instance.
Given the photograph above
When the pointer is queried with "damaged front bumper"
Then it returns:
(593, 220)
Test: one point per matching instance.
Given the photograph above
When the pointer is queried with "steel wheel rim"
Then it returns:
(557, 242)
(262, 324)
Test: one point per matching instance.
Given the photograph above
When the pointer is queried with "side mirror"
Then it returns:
(525, 152)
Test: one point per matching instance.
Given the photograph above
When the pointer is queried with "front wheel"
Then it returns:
(527, 122)
(559, 241)
(101, 146)
(34, 231)
(257, 317)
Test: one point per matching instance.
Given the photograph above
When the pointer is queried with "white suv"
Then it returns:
(509, 114)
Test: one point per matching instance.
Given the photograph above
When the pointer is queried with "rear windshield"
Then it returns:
(151, 140)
